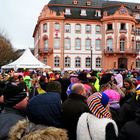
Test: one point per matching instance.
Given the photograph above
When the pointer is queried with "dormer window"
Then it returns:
(88, 3)
(98, 13)
(67, 11)
(138, 7)
(75, 2)
(83, 12)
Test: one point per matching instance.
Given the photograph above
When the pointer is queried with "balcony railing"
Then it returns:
(45, 51)
(123, 31)
(118, 51)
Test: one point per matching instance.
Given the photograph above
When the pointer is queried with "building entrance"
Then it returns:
(122, 63)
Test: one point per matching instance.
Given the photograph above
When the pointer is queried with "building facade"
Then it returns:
(88, 34)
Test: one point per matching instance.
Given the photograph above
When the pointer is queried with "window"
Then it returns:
(46, 45)
(56, 43)
(98, 13)
(98, 28)
(77, 28)
(67, 61)
(138, 31)
(56, 61)
(137, 15)
(45, 60)
(77, 62)
(83, 12)
(88, 3)
(88, 62)
(88, 44)
(109, 27)
(78, 44)
(122, 26)
(57, 27)
(67, 43)
(88, 28)
(98, 44)
(98, 62)
(122, 44)
(67, 11)
(138, 45)
(138, 63)
(109, 45)
(44, 27)
(75, 2)
(67, 28)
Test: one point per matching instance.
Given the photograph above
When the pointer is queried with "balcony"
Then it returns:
(45, 51)
(109, 31)
(123, 31)
(128, 51)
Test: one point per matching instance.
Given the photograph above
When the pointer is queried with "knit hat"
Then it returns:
(96, 105)
(104, 99)
(13, 94)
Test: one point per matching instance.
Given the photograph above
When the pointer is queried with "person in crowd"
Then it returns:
(98, 105)
(90, 127)
(94, 80)
(26, 130)
(131, 129)
(82, 76)
(72, 109)
(128, 109)
(15, 101)
(2, 87)
(73, 79)
(46, 108)
(128, 89)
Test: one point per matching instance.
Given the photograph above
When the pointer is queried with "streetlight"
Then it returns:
(91, 57)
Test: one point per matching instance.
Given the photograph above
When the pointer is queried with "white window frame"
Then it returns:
(78, 62)
(67, 61)
(56, 61)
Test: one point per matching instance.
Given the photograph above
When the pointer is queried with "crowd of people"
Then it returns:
(70, 105)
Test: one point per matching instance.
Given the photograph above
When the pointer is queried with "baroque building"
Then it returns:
(88, 34)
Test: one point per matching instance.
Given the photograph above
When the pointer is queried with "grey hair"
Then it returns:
(77, 87)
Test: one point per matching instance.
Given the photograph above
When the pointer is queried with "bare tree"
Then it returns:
(7, 52)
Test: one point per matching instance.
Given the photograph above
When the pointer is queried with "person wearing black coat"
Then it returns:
(127, 111)
(131, 130)
(72, 109)
(15, 101)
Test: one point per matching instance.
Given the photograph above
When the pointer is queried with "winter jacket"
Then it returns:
(25, 130)
(92, 128)
(8, 118)
(72, 109)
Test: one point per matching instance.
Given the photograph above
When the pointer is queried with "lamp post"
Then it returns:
(91, 57)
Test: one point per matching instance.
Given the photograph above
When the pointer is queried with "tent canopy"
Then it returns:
(26, 60)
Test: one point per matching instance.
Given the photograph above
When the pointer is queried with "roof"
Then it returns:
(80, 2)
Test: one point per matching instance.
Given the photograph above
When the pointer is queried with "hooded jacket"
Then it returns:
(24, 130)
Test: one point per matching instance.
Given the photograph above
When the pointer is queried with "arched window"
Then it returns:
(77, 62)
(122, 44)
(98, 62)
(78, 44)
(88, 62)
(67, 28)
(98, 44)
(88, 44)
(46, 45)
(98, 29)
(67, 61)
(57, 27)
(56, 61)
(78, 28)
(44, 27)
(138, 63)
(109, 45)
(67, 43)
(56, 43)
(88, 28)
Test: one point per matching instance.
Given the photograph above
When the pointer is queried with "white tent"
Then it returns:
(26, 60)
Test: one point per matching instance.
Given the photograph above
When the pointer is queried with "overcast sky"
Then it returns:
(18, 19)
